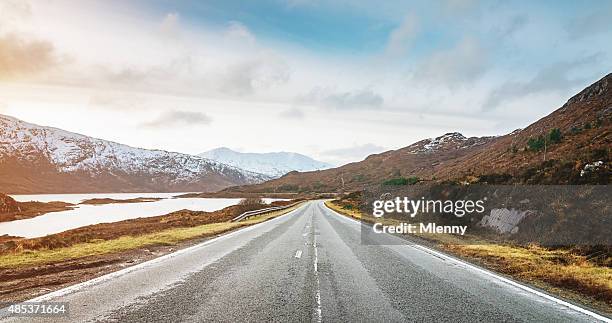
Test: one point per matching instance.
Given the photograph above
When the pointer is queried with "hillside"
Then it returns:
(569, 146)
(273, 164)
(37, 159)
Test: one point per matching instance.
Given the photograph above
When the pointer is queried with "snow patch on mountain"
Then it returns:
(71, 152)
(273, 164)
(448, 141)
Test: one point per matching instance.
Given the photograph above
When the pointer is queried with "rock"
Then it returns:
(504, 220)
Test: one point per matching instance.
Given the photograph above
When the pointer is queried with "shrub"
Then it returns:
(535, 144)
(554, 136)
(402, 181)
(575, 130)
(250, 201)
(587, 125)
(248, 204)
(413, 180)
(396, 181)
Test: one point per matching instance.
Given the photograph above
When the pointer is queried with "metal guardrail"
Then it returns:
(261, 211)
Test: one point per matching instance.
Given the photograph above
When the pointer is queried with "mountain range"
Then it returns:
(569, 146)
(273, 164)
(38, 159)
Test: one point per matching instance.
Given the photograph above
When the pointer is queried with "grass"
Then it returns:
(540, 266)
(558, 270)
(166, 237)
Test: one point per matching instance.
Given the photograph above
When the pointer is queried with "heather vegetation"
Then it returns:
(402, 181)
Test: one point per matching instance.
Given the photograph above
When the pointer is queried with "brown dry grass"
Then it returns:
(93, 247)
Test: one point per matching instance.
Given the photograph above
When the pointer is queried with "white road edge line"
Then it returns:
(103, 278)
(504, 279)
(298, 254)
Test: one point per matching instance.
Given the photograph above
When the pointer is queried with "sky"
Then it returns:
(336, 80)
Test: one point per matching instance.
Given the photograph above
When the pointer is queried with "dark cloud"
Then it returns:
(20, 57)
(555, 77)
(347, 100)
(179, 118)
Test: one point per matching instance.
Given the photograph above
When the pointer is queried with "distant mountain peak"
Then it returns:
(274, 164)
(447, 141)
(63, 161)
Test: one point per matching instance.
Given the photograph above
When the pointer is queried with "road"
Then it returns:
(308, 265)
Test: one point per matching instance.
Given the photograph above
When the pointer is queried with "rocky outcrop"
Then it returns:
(596, 89)
(504, 220)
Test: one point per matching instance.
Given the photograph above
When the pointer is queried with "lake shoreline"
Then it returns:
(92, 209)
(12, 210)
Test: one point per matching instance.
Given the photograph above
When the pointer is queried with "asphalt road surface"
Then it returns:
(308, 265)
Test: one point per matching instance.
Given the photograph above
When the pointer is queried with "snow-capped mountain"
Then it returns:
(451, 140)
(43, 159)
(273, 164)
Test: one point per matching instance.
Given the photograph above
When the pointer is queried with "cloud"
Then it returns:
(241, 69)
(343, 100)
(14, 10)
(465, 62)
(248, 76)
(169, 26)
(357, 152)
(176, 118)
(513, 25)
(401, 37)
(594, 23)
(555, 77)
(20, 57)
(236, 31)
(293, 113)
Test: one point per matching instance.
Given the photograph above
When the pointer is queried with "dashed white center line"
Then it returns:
(298, 254)
(318, 286)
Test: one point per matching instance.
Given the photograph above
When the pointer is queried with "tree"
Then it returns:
(554, 136)
(535, 144)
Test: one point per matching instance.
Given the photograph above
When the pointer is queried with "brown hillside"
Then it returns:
(584, 123)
